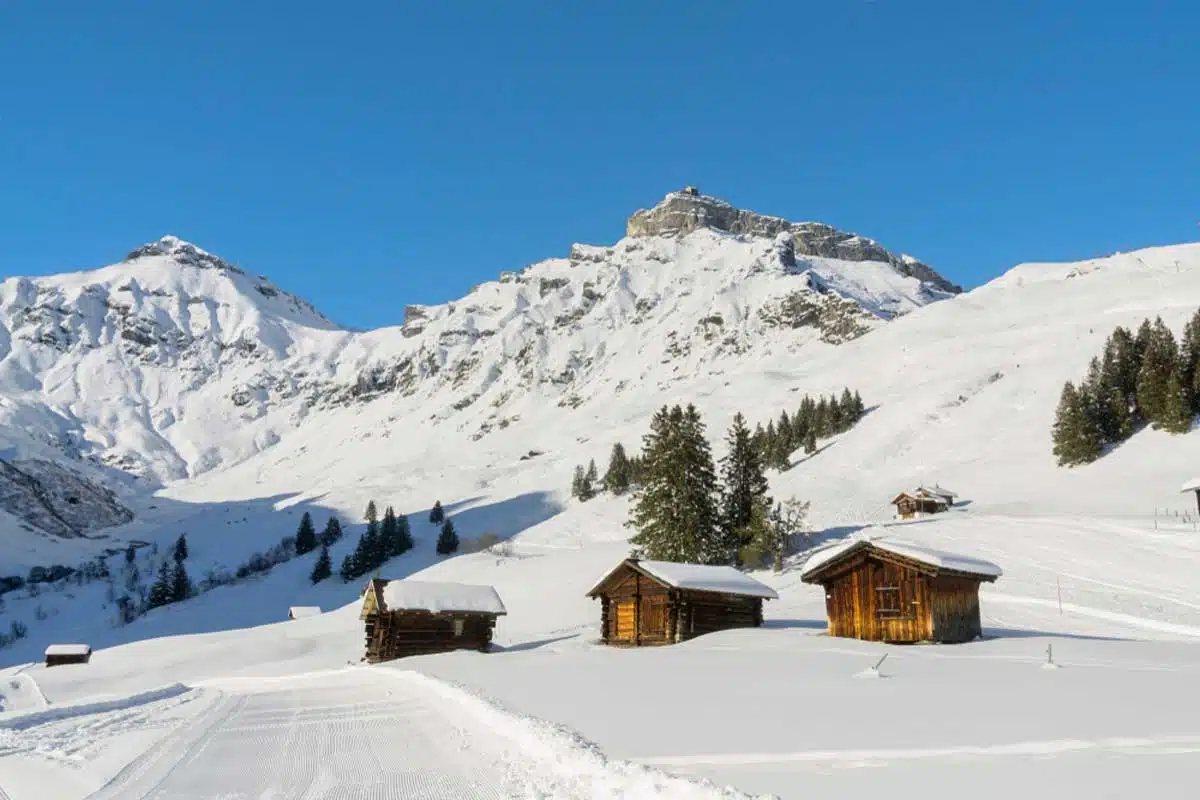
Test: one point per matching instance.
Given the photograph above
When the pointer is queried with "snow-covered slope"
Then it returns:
(1098, 562)
(175, 363)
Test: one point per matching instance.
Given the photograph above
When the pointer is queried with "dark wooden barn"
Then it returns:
(662, 602)
(408, 618)
(59, 654)
(893, 591)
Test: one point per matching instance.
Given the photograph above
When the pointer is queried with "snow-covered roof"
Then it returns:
(1191, 486)
(919, 495)
(939, 559)
(935, 489)
(438, 597)
(697, 578)
(68, 650)
(295, 612)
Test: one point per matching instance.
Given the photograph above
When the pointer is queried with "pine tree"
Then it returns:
(743, 482)
(389, 535)
(1075, 439)
(577, 490)
(859, 408)
(1189, 359)
(162, 590)
(756, 538)
(181, 584)
(306, 535)
(447, 541)
(783, 432)
(1177, 405)
(370, 553)
(674, 512)
(181, 548)
(332, 532)
(404, 536)
(587, 488)
(436, 514)
(1096, 395)
(617, 477)
(821, 417)
(372, 513)
(324, 566)
(1158, 362)
(349, 569)
(810, 442)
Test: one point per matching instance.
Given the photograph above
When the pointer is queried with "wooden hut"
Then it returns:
(909, 504)
(407, 618)
(938, 491)
(889, 590)
(300, 612)
(59, 654)
(663, 602)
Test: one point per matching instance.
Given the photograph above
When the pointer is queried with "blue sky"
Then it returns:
(368, 155)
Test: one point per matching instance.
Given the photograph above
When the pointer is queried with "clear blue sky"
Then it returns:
(372, 154)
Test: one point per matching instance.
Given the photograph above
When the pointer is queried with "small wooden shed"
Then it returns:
(663, 602)
(300, 612)
(59, 654)
(890, 590)
(408, 618)
(909, 504)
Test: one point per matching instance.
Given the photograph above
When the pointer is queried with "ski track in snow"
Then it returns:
(326, 739)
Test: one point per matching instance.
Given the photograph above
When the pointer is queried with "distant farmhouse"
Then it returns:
(59, 654)
(663, 602)
(407, 618)
(923, 500)
(890, 590)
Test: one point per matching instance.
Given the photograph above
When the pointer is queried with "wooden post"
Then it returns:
(1059, 582)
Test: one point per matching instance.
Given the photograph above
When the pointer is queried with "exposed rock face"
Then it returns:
(57, 500)
(680, 213)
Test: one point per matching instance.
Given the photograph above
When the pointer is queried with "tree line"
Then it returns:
(814, 419)
(1139, 379)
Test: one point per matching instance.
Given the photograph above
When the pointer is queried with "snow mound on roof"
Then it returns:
(68, 650)
(701, 578)
(439, 597)
(925, 555)
(1191, 485)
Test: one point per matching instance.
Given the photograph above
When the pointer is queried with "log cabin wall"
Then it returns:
(955, 608)
(396, 634)
(708, 612)
(879, 601)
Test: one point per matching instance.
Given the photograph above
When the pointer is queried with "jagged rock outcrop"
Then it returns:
(680, 213)
(57, 500)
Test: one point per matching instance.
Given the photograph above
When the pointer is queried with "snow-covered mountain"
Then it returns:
(174, 362)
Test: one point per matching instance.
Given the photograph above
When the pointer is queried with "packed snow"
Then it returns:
(1099, 562)
(438, 597)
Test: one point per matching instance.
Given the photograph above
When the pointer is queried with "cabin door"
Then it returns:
(653, 622)
(623, 620)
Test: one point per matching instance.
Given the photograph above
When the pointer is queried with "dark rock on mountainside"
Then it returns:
(57, 500)
(683, 212)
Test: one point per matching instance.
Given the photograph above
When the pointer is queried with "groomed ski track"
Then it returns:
(325, 736)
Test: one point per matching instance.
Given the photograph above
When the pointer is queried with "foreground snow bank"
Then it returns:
(24, 721)
(563, 764)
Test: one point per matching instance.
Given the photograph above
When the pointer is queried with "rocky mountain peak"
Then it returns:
(182, 252)
(680, 213)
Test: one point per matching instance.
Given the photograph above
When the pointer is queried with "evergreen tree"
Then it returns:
(756, 538)
(369, 554)
(590, 477)
(1095, 393)
(389, 535)
(447, 541)
(349, 569)
(743, 482)
(324, 566)
(332, 532)
(181, 584)
(404, 536)
(617, 477)
(783, 431)
(162, 590)
(1075, 439)
(1189, 359)
(436, 514)
(306, 535)
(1158, 362)
(810, 442)
(859, 408)
(577, 490)
(371, 515)
(1177, 405)
(181, 548)
(821, 418)
(846, 409)
(674, 512)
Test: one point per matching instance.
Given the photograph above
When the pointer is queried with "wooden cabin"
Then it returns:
(408, 618)
(909, 504)
(663, 602)
(889, 590)
(300, 612)
(938, 491)
(59, 654)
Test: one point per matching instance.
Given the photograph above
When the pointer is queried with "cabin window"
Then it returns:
(459, 624)
(895, 593)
